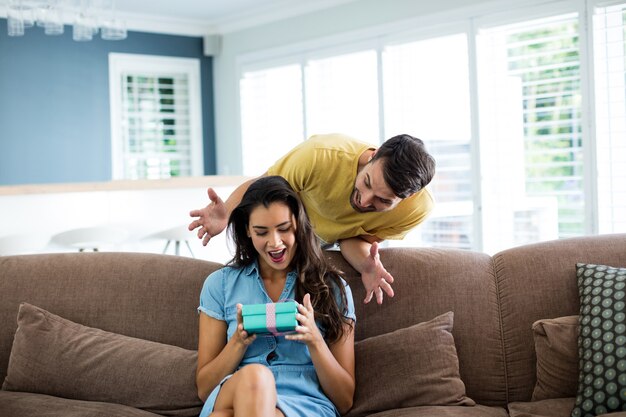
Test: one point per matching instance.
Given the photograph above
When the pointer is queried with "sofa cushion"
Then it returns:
(556, 347)
(602, 341)
(409, 367)
(554, 407)
(27, 404)
(444, 411)
(54, 356)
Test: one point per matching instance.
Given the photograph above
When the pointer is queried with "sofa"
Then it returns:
(114, 334)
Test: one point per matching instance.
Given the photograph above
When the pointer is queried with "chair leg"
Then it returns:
(177, 247)
(166, 246)
(189, 247)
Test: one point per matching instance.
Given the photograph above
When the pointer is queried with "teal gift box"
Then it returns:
(271, 318)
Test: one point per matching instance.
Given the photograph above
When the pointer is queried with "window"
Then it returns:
(610, 97)
(423, 90)
(342, 95)
(271, 116)
(524, 112)
(531, 131)
(156, 124)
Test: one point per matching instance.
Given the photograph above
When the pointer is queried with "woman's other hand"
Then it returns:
(241, 335)
(307, 331)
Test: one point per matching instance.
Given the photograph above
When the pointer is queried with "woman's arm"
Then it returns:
(336, 371)
(216, 357)
(334, 364)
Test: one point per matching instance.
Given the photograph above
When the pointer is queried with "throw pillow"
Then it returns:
(556, 348)
(54, 356)
(602, 340)
(409, 367)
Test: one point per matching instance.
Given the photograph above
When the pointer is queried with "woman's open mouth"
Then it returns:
(277, 256)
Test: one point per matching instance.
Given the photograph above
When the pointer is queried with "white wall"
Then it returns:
(38, 216)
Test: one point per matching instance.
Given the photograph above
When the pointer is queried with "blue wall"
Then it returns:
(54, 103)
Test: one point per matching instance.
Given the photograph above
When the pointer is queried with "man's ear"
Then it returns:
(372, 155)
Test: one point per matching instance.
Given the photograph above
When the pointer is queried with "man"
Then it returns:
(354, 194)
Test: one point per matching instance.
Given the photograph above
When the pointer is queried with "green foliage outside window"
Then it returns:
(547, 61)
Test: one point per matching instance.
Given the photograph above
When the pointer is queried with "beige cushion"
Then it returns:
(556, 346)
(54, 356)
(410, 367)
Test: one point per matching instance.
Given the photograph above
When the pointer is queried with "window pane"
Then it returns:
(342, 95)
(610, 94)
(156, 121)
(531, 134)
(426, 94)
(156, 126)
(271, 116)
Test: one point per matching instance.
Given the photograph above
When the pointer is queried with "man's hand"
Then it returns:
(211, 220)
(375, 277)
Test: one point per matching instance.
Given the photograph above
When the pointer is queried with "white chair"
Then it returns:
(176, 234)
(22, 243)
(91, 238)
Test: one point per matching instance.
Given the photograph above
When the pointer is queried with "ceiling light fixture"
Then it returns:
(88, 17)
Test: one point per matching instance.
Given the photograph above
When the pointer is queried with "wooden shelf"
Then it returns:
(122, 185)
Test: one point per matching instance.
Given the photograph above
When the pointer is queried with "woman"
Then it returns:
(277, 257)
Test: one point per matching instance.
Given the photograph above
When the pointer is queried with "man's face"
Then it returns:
(371, 192)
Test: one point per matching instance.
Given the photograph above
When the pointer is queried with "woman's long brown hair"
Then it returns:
(315, 275)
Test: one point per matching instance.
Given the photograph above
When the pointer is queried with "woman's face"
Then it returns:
(273, 233)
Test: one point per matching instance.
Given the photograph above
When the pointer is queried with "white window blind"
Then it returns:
(609, 29)
(155, 110)
(515, 107)
(531, 134)
(271, 115)
(426, 94)
(342, 95)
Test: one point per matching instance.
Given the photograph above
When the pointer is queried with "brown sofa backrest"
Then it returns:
(495, 299)
(148, 296)
(429, 282)
(538, 282)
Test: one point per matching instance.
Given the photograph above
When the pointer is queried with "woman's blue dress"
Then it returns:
(299, 391)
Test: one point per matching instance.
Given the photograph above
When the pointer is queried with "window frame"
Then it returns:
(469, 20)
(154, 65)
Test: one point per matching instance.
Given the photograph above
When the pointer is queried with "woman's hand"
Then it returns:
(242, 336)
(307, 331)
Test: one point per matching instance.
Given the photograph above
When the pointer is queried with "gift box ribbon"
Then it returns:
(270, 318)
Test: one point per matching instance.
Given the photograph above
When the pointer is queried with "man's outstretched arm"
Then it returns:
(362, 253)
(213, 219)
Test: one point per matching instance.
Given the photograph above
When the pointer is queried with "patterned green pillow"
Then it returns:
(602, 340)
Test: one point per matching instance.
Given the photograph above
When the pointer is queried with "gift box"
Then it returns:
(271, 318)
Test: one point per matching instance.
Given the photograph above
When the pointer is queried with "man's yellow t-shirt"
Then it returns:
(322, 170)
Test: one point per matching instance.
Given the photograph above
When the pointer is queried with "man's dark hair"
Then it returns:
(407, 166)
